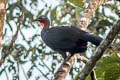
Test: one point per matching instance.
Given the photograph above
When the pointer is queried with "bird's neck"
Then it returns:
(45, 28)
(45, 24)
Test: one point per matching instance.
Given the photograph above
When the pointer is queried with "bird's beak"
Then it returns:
(36, 20)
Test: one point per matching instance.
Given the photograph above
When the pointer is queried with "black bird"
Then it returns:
(66, 38)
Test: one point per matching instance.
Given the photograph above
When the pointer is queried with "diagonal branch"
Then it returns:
(85, 19)
(21, 19)
(99, 51)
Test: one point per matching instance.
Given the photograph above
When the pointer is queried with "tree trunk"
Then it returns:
(2, 15)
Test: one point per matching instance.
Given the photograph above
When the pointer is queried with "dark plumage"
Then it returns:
(66, 39)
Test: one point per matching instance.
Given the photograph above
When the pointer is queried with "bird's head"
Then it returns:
(44, 21)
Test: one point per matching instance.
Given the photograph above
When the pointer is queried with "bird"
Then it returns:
(65, 39)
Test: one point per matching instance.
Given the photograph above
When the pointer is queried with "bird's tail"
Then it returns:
(93, 39)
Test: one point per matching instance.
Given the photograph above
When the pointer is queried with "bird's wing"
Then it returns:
(61, 37)
(68, 37)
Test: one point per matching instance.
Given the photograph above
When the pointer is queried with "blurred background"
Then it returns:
(31, 59)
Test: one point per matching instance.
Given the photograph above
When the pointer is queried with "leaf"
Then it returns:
(105, 23)
(78, 3)
(109, 68)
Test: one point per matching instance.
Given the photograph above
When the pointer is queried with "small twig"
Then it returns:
(18, 69)
(20, 21)
(45, 65)
(6, 74)
(24, 72)
(41, 71)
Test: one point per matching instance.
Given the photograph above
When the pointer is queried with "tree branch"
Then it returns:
(2, 15)
(20, 21)
(85, 60)
(85, 19)
(99, 51)
(67, 65)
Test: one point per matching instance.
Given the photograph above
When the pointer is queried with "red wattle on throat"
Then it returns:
(42, 24)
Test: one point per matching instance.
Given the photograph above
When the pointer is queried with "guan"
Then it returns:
(66, 38)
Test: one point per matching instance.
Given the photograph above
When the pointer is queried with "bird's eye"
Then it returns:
(42, 17)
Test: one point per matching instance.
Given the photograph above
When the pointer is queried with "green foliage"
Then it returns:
(78, 3)
(108, 68)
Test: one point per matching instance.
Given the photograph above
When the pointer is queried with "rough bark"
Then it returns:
(67, 65)
(85, 19)
(2, 15)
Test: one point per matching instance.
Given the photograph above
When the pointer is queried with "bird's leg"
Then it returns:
(64, 55)
(68, 57)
